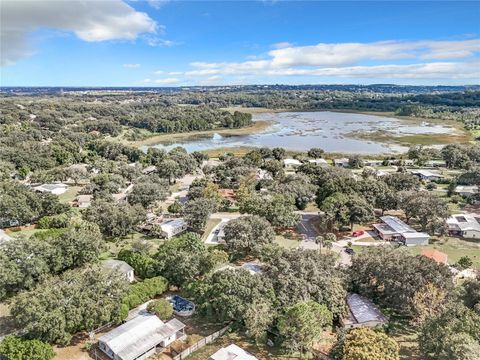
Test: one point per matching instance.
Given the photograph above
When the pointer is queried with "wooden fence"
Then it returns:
(201, 343)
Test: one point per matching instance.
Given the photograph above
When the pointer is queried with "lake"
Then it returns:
(332, 131)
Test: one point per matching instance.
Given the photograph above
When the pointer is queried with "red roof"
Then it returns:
(227, 193)
(436, 255)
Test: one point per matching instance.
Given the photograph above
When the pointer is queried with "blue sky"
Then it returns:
(173, 43)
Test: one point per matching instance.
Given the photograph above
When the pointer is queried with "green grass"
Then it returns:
(455, 248)
(286, 243)
(70, 194)
(211, 223)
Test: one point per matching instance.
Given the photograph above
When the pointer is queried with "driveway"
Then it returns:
(212, 238)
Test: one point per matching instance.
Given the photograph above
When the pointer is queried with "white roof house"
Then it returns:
(464, 225)
(232, 352)
(140, 337)
(426, 174)
(292, 162)
(467, 190)
(149, 169)
(343, 162)
(122, 267)
(392, 228)
(173, 227)
(4, 237)
(321, 162)
(83, 201)
(362, 312)
(56, 189)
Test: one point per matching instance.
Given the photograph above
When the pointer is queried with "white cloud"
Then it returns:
(282, 45)
(131, 66)
(157, 4)
(89, 20)
(165, 81)
(161, 72)
(426, 59)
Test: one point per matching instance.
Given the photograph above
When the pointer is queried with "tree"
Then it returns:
(143, 264)
(429, 210)
(299, 187)
(346, 209)
(401, 181)
(464, 262)
(139, 292)
(280, 211)
(367, 344)
(300, 275)
(183, 259)
(471, 294)
(302, 325)
(427, 302)
(315, 153)
(169, 169)
(278, 153)
(175, 208)
(146, 193)
(247, 234)
(227, 295)
(198, 211)
(375, 274)
(453, 334)
(355, 162)
(115, 219)
(162, 308)
(61, 306)
(16, 348)
(258, 318)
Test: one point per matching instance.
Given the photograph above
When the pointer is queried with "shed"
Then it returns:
(173, 227)
(57, 189)
(362, 312)
(122, 267)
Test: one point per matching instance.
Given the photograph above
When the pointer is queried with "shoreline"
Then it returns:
(458, 135)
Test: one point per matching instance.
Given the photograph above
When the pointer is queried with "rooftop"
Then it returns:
(397, 225)
(173, 223)
(232, 352)
(362, 310)
(130, 340)
(119, 265)
(436, 255)
(464, 222)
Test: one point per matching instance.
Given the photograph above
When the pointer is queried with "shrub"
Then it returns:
(54, 221)
(142, 291)
(16, 348)
(162, 308)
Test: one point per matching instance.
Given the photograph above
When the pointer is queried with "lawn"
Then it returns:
(211, 223)
(262, 352)
(70, 194)
(285, 242)
(455, 248)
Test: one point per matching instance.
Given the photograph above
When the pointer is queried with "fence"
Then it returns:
(201, 343)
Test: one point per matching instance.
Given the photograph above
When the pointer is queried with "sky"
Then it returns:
(185, 43)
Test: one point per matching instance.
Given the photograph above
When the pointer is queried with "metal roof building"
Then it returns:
(140, 337)
(392, 228)
(362, 312)
(232, 352)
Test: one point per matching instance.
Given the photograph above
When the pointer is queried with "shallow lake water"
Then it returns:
(331, 131)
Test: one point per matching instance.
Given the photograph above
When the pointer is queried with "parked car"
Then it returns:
(349, 251)
(358, 233)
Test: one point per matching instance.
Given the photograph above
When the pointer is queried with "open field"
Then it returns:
(70, 194)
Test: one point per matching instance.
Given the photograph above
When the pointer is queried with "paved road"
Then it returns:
(212, 237)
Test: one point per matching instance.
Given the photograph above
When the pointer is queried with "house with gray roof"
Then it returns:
(393, 229)
(143, 336)
(426, 175)
(120, 266)
(362, 312)
(57, 189)
(232, 352)
(464, 225)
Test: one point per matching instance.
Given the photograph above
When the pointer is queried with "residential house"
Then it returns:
(467, 190)
(228, 194)
(121, 267)
(362, 312)
(292, 163)
(143, 336)
(369, 162)
(263, 175)
(149, 170)
(464, 225)
(57, 189)
(321, 162)
(426, 175)
(435, 163)
(173, 227)
(232, 352)
(83, 201)
(121, 197)
(343, 162)
(436, 255)
(393, 229)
